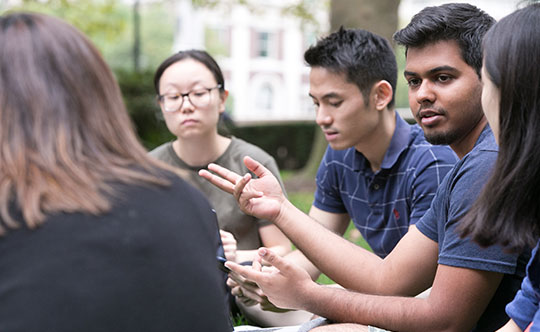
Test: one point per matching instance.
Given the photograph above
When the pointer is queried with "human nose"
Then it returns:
(425, 93)
(322, 118)
(186, 105)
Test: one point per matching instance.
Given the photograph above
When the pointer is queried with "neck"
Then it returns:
(200, 151)
(466, 144)
(374, 148)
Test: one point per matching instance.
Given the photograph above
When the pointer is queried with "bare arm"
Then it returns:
(458, 298)
(334, 222)
(274, 239)
(328, 251)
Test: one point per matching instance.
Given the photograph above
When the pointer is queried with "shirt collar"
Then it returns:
(398, 144)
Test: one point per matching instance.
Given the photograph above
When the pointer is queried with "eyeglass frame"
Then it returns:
(183, 95)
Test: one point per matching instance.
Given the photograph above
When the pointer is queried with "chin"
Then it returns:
(440, 138)
(339, 146)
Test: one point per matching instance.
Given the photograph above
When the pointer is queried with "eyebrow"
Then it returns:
(326, 96)
(432, 71)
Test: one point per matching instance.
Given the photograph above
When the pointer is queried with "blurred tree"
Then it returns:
(377, 16)
(94, 18)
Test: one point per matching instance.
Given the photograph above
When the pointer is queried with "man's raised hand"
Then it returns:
(261, 197)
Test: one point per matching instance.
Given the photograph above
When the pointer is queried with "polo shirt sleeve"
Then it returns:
(432, 165)
(327, 196)
(524, 309)
(465, 187)
(428, 224)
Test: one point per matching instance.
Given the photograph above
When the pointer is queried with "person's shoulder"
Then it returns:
(484, 151)
(161, 150)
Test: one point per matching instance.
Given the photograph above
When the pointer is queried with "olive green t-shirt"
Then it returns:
(245, 228)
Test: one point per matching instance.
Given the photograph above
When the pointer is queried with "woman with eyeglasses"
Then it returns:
(191, 94)
(95, 235)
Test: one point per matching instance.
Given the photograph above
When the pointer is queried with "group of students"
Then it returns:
(99, 234)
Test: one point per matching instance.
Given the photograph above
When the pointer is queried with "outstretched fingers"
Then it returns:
(224, 179)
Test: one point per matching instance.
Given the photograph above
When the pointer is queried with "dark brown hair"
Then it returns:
(65, 133)
(507, 211)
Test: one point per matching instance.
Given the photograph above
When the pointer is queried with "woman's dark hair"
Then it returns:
(462, 22)
(364, 57)
(201, 56)
(65, 133)
(508, 209)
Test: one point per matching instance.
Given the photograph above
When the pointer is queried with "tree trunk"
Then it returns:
(377, 16)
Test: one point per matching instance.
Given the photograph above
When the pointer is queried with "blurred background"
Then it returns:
(259, 44)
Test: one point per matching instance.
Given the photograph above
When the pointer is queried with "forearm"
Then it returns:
(298, 258)
(391, 313)
(344, 262)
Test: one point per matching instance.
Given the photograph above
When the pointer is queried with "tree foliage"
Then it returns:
(94, 18)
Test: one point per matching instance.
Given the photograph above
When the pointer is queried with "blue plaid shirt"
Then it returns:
(382, 205)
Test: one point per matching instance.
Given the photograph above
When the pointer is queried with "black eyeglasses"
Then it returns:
(172, 102)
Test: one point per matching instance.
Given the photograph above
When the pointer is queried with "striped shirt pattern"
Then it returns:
(383, 204)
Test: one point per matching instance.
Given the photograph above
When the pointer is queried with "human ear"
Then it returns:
(222, 99)
(381, 94)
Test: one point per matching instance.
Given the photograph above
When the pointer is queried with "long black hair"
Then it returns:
(508, 209)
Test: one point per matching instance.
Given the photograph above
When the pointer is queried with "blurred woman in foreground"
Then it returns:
(96, 235)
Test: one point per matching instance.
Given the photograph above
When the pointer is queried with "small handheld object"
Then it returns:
(221, 264)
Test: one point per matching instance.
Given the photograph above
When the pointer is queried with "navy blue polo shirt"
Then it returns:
(383, 204)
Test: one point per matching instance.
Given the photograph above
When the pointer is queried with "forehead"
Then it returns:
(323, 82)
(421, 60)
(187, 72)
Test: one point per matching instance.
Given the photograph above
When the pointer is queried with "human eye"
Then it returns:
(172, 96)
(198, 93)
(444, 78)
(335, 103)
(413, 82)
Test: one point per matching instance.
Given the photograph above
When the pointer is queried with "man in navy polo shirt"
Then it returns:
(378, 170)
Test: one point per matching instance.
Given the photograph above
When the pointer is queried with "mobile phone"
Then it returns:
(221, 264)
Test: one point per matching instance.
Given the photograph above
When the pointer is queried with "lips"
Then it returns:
(429, 118)
(189, 122)
(330, 134)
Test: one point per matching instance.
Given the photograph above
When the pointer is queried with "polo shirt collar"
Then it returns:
(398, 144)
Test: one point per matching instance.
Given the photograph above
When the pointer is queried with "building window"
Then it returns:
(265, 98)
(265, 45)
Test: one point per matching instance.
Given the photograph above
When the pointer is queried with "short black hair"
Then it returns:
(462, 22)
(364, 57)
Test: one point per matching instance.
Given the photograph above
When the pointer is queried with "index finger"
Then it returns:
(223, 178)
(256, 167)
(244, 271)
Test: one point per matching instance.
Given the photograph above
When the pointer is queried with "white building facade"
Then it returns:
(260, 51)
